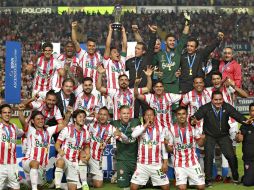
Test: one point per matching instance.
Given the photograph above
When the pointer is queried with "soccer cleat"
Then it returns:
(85, 186)
(218, 178)
(236, 182)
(208, 184)
(227, 180)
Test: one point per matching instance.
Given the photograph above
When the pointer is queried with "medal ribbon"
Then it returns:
(169, 57)
(190, 63)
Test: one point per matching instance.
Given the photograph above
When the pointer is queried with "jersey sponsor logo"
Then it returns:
(153, 142)
(116, 70)
(71, 146)
(39, 144)
(7, 139)
(184, 146)
(90, 66)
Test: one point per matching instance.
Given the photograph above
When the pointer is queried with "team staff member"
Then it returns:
(216, 128)
(136, 66)
(191, 62)
(127, 151)
(246, 135)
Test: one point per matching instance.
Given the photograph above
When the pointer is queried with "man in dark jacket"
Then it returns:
(136, 65)
(191, 62)
(66, 97)
(216, 128)
(246, 135)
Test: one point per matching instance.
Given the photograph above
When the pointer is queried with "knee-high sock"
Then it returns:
(34, 178)
(83, 173)
(58, 177)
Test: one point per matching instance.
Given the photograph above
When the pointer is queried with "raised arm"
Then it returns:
(99, 86)
(22, 118)
(108, 41)
(148, 73)
(136, 92)
(27, 103)
(238, 90)
(74, 28)
(136, 33)
(152, 41)
(186, 29)
(124, 40)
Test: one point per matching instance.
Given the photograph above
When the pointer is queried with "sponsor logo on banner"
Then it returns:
(242, 104)
(230, 10)
(156, 9)
(37, 10)
(196, 8)
(13, 72)
(102, 10)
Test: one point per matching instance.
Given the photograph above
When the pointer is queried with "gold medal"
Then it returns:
(190, 72)
(9, 145)
(46, 150)
(101, 145)
(150, 145)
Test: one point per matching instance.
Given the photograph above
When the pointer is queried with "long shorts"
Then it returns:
(96, 169)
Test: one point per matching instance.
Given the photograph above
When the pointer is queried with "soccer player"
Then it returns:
(87, 100)
(71, 65)
(160, 101)
(126, 151)
(152, 155)
(8, 162)
(123, 95)
(71, 142)
(38, 143)
(48, 108)
(45, 68)
(101, 133)
(90, 59)
(113, 61)
(182, 141)
(168, 62)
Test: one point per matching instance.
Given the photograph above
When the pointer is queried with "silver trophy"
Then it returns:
(117, 13)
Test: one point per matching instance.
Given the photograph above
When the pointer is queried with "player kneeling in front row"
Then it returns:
(38, 141)
(152, 155)
(71, 143)
(181, 142)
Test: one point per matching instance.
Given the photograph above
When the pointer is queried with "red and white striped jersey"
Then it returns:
(183, 141)
(120, 98)
(72, 64)
(227, 92)
(89, 63)
(89, 104)
(38, 144)
(195, 101)
(113, 70)
(48, 114)
(99, 133)
(73, 141)
(162, 106)
(44, 73)
(8, 137)
(151, 148)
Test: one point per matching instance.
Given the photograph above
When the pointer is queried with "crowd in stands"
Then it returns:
(31, 30)
(128, 2)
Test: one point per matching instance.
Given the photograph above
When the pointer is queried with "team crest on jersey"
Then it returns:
(247, 166)
(121, 171)
(249, 132)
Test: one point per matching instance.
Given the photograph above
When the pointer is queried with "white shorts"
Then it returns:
(144, 172)
(96, 169)
(71, 170)
(26, 168)
(194, 174)
(9, 176)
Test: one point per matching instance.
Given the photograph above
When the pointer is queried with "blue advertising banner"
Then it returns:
(13, 72)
